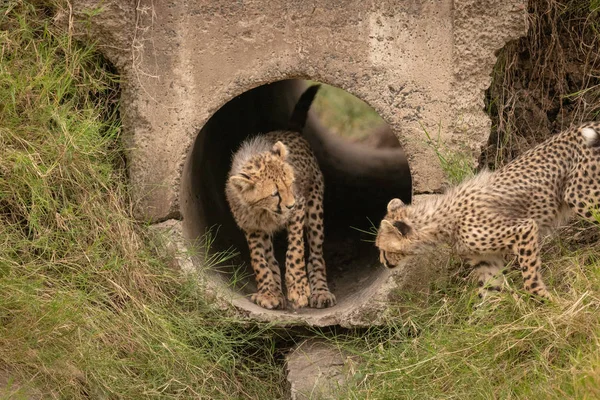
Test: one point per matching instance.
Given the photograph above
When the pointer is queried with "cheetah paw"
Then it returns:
(268, 300)
(298, 295)
(322, 298)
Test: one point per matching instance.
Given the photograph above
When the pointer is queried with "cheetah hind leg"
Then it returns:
(298, 290)
(321, 296)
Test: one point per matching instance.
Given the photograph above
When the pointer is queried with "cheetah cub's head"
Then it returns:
(266, 182)
(397, 237)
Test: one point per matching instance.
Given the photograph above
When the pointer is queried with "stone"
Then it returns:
(316, 370)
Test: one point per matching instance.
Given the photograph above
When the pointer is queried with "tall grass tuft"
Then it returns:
(455, 164)
(88, 308)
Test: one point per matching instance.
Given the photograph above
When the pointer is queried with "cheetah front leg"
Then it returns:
(527, 249)
(296, 282)
(582, 196)
(269, 294)
(518, 236)
(274, 267)
(320, 296)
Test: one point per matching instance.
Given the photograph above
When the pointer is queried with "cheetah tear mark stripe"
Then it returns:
(591, 137)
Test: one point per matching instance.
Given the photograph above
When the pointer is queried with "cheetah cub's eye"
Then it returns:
(275, 193)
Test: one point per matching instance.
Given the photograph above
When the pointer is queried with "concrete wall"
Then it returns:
(423, 65)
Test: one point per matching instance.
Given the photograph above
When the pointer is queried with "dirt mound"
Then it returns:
(546, 81)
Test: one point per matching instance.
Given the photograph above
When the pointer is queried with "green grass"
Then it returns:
(442, 346)
(88, 308)
(456, 165)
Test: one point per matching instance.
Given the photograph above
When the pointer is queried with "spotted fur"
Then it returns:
(502, 212)
(275, 183)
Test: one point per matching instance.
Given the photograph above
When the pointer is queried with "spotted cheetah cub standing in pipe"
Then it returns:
(275, 183)
(504, 211)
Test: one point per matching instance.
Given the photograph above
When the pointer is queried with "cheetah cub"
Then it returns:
(504, 211)
(275, 183)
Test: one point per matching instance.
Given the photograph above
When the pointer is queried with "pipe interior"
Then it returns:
(360, 179)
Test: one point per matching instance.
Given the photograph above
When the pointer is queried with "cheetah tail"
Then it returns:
(300, 113)
(591, 137)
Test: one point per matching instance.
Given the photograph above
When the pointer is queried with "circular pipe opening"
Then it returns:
(362, 173)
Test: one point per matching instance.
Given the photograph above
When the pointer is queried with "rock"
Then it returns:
(316, 370)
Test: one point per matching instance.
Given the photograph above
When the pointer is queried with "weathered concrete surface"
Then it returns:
(480, 29)
(316, 370)
(421, 64)
(169, 234)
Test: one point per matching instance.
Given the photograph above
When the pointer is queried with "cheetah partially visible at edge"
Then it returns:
(505, 211)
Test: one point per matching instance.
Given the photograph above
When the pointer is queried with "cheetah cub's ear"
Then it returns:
(241, 182)
(402, 227)
(280, 150)
(394, 205)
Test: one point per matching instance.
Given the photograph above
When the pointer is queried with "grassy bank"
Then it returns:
(447, 345)
(88, 309)
(344, 114)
